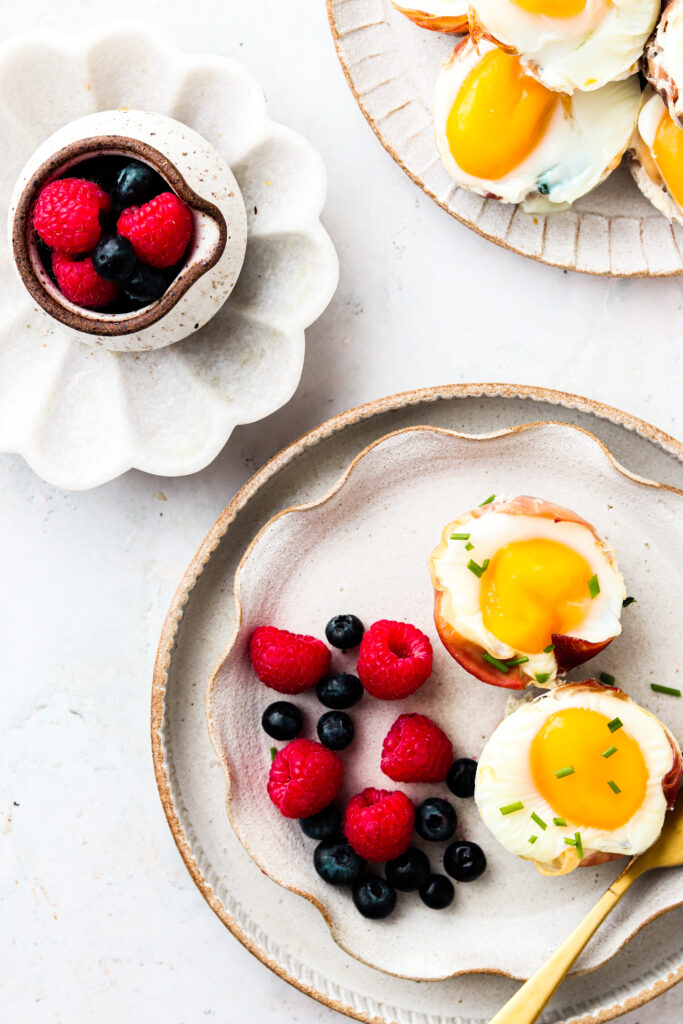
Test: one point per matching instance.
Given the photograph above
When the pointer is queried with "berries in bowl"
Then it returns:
(128, 228)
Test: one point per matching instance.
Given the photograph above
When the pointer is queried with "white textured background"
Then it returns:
(99, 920)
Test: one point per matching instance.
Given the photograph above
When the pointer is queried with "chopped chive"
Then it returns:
(593, 587)
(605, 677)
(627, 601)
(579, 845)
(485, 564)
(570, 841)
(488, 501)
(532, 839)
(560, 822)
(539, 821)
(273, 752)
(613, 786)
(665, 689)
(478, 570)
(542, 677)
(500, 665)
(469, 546)
(549, 648)
(511, 808)
(615, 724)
(517, 661)
(562, 773)
(460, 536)
(609, 751)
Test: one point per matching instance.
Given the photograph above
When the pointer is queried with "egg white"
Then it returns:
(645, 172)
(601, 43)
(583, 141)
(504, 777)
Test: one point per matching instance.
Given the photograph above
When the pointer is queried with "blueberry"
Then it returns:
(145, 284)
(374, 897)
(435, 819)
(337, 862)
(323, 825)
(114, 258)
(344, 631)
(437, 892)
(408, 872)
(282, 720)
(341, 690)
(464, 861)
(136, 183)
(460, 778)
(335, 730)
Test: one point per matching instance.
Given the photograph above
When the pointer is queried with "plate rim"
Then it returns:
(336, 37)
(211, 541)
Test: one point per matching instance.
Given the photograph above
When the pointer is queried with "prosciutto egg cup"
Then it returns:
(657, 157)
(524, 591)
(662, 62)
(448, 16)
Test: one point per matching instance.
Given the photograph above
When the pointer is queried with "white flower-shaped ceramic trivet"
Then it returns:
(82, 415)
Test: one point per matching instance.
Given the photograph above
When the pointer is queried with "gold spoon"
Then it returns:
(528, 1001)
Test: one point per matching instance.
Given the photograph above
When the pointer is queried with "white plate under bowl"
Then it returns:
(283, 930)
(391, 66)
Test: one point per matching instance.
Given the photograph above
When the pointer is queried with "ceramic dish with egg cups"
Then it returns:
(364, 548)
(81, 414)
(194, 171)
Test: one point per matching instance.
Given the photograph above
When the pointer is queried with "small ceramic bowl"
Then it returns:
(194, 171)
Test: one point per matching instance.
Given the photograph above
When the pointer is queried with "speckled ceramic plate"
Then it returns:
(286, 932)
(391, 66)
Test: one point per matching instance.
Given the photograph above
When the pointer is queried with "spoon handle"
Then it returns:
(529, 1000)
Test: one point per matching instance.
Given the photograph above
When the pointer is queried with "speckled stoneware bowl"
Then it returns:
(194, 171)
(364, 548)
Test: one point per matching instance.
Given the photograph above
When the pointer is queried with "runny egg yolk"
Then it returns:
(668, 154)
(533, 589)
(552, 8)
(499, 115)
(578, 738)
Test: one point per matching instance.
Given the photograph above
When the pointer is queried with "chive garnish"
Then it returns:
(615, 724)
(511, 808)
(460, 536)
(605, 677)
(478, 570)
(542, 677)
(570, 841)
(469, 546)
(539, 821)
(517, 661)
(488, 501)
(665, 689)
(593, 586)
(562, 773)
(579, 845)
(500, 665)
(273, 752)
(609, 751)
(627, 601)
(549, 648)
(560, 822)
(613, 786)
(532, 839)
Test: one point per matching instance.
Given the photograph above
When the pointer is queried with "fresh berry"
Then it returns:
(409, 871)
(344, 631)
(114, 258)
(435, 819)
(67, 214)
(416, 750)
(338, 863)
(80, 283)
(379, 823)
(437, 892)
(461, 776)
(335, 730)
(395, 659)
(341, 690)
(304, 778)
(464, 861)
(374, 897)
(282, 720)
(160, 230)
(136, 183)
(145, 284)
(326, 824)
(287, 662)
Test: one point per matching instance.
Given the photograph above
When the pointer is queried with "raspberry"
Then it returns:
(67, 214)
(80, 283)
(159, 231)
(416, 750)
(304, 778)
(379, 824)
(288, 662)
(395, 659)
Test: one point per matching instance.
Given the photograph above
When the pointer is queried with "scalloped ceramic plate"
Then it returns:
(391, 66)
(364, 547)
(81, 416)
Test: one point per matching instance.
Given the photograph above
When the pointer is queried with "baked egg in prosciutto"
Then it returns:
(438, 15)
(662, 62)
(504, 135)
(577, 776)
(657, 157)
(524, 591)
